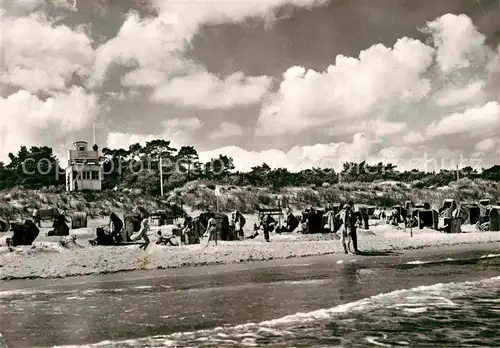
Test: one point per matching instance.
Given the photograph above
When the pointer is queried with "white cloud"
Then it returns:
(183, 124)
(377, 127)
(299, 157)
(459, 44)
(206, 91)
(178, 131)
(486, 145)
(226, 130)
(41, 56)
(20, 7)
(28, 120)
(350, 90)
(481, 122)
(392, 94)
(473, 91)
(150, 44)
(413, 137)
(159, 62)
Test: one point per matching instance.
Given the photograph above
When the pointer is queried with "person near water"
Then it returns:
(345, 217)
(211, 228)
(144, 229)
(353, 236)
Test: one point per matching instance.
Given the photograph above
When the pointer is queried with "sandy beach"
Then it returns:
(49, 258)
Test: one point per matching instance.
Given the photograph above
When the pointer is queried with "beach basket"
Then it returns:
(79, 220)
(494, 220)
(4, 226)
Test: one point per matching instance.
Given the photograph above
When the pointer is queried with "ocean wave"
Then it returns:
(482, 257)
(315, 328)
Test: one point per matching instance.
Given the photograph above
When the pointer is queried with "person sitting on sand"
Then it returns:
(255, 232)
(394, 218)
(165, 240)
(291, 222)
(188, 220)
(115, 227)
(143, 231)
(24, 234)
(60, 226)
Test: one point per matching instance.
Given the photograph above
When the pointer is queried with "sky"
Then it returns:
(292, 83)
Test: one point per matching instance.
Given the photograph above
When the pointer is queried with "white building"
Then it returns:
(84, 172)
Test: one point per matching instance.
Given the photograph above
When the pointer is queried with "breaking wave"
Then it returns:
(453, 314)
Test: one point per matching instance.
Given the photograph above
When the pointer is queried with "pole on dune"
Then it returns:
(217, 194)
(161, 176)
(411, 222)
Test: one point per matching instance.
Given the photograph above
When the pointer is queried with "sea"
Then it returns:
(332, 304)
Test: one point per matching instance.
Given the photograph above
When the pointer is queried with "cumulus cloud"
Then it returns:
(407, 100)
(351, 88)
(178, 131)
(391, 104)
(486, 145)
(31, 121)
(482, 121)
(159, 61)
(39, 55)
(207, 91)
(457, 41)
(226, 130)
(456, 96)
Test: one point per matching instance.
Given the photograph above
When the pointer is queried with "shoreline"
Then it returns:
(458, 253)
(48, 260)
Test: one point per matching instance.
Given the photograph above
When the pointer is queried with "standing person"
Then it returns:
(211, 228)
(143, 230)
(232, 226)
(36, 217)
(365, 218)
(346, 218)
(352, 229)
(268, 225)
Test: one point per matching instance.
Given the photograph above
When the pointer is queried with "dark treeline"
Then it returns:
(138, 168)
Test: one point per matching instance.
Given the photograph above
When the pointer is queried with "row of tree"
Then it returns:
(138, 168)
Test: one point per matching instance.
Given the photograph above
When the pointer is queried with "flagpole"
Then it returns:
(161, 176)
(93, 130)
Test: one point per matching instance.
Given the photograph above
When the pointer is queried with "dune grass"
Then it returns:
(199, 195)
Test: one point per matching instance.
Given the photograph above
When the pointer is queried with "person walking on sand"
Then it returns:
(353, 236)
(144, 229)
(211, 229)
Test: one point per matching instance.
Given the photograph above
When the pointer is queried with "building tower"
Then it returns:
(84, 171)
